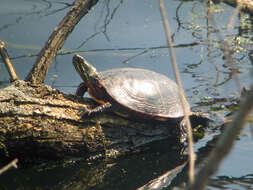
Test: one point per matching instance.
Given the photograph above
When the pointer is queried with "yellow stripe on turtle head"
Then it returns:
(84, 69)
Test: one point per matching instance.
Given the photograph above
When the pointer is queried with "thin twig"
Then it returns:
(182, 99)
(225, 47)
(13, 164)
(7, 62)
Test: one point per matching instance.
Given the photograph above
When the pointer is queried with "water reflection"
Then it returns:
(129, 172)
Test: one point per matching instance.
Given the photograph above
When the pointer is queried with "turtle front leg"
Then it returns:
(107, 107)
(82, 88)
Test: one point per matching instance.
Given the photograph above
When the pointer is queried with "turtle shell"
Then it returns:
(143, 91)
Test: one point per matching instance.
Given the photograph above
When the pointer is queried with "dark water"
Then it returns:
(129, 33)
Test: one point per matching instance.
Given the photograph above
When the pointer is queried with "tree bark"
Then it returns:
(39, 122)
(57, 39)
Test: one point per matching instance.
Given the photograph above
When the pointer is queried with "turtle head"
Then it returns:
(84, 69)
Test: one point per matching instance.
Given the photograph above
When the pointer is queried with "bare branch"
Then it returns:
(7, 62)
(57, 39)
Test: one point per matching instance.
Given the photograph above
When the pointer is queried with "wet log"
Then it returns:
(39, 122)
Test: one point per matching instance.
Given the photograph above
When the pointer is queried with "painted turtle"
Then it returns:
(131, 92)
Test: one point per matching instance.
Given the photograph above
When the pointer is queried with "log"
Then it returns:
(39, 122)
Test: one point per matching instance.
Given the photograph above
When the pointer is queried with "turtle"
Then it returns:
(133, 93)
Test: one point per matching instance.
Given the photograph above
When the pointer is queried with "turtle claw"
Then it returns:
(85, 114)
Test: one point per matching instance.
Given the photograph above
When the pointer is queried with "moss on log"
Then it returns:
(39, 122)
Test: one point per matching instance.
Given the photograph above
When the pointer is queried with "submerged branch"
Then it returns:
(164, 180)
(13, 164)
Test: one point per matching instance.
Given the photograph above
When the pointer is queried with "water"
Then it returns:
(117, 34)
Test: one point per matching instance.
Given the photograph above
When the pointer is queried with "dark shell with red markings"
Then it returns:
(142, 91)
